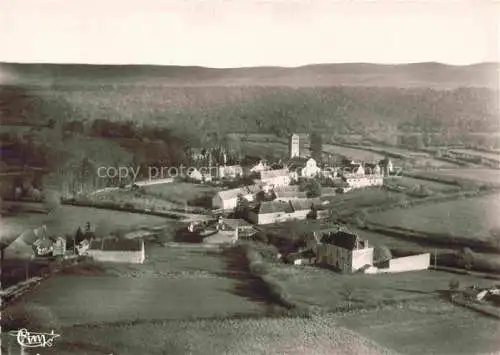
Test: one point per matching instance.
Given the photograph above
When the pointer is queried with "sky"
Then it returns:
(244, 33)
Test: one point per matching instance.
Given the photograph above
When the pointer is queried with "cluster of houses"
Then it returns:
(38, 243)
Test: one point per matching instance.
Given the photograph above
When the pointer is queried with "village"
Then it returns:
(280, 192)
(280, 215)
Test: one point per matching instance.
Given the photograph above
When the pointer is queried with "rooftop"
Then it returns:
(341, 239)
(112, 244)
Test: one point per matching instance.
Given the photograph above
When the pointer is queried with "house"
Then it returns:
(31, 243)
(287, 193)
(195, 175)
(229, 171)
(59, 248)
(228, 199)
(117, 250)
(280, 211)
(278, 177)
(360, 181)
(408, 263)
(310, 169)
(344, 251)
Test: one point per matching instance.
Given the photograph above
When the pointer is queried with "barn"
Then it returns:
(117, 250)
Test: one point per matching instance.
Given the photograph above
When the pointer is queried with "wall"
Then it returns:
(361, 258)
(279, 217)
(409, 263)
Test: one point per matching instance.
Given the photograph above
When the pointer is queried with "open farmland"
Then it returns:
(174, 283)
(353, 153)
(179, 192)
(66, 219)
(367, 290)
(469, 219)
(428, 327)
(493, 156)
(489, 176)
(318, 336)
(409, 183)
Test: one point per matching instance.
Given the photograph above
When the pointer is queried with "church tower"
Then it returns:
(294, 146)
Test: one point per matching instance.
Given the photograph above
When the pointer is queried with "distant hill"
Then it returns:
(426, 75)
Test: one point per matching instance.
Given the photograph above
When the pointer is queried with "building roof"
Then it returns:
(270, 174)
(291, 194)
(274, 207)
(233, 193)
(303, 204)
(341, 239)
(236, 223)
(112, 244)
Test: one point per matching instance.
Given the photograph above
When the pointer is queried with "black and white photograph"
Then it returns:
(250, 177)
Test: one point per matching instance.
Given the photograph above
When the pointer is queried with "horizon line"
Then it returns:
(249, 67)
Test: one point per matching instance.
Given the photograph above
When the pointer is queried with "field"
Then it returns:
(318, 336)
(409, 183)
(66, 219)
(352, 153)
(471, 218)
(430, 327)
(362, 198)
(181, 192)
(478, 153)
(174, 283)
(489, 176)
(367, 290)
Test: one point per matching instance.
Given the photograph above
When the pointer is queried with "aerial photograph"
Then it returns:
(240, 177)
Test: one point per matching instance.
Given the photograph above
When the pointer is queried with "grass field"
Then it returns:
(471, 218)
(490, 176)
(174, 283)
(352, 153)
(478, 153)
(362, 198)
(326, 289)
(66, 219)
(409, 183)
(430, 327)
(179, 192)
(291, 336)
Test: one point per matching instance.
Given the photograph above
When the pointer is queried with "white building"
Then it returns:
(273, 178)
(311, 169)
(360, 181)
(278, 211)
(195, 174)
(344, 251)
(117, 250)
(228, 199)
(294, 146)
(229, 171)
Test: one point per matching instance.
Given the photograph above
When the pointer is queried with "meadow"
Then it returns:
(66, 220)
(179, 192)
(173, 283)
(318, 336)
(409, 183)
(428, 327)
(469, 219)
(353, 153)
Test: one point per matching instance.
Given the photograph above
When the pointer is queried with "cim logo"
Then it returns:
(34, 340)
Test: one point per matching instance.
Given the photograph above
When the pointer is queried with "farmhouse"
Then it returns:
(280, 211)
(311, 169)
(344, 251)
(229, 171)
(279, 177)
(228, 199)
(360, 181)
(195, 174)
(116, 250)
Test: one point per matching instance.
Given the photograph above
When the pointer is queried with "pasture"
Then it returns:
(353, 153)
(488, 176)
(409, 183)
(66, 219)
(428, 327)
(493, 156)
(468, 218)
(180, 192)
(173, 283)
(330, 291)
(319, 336)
